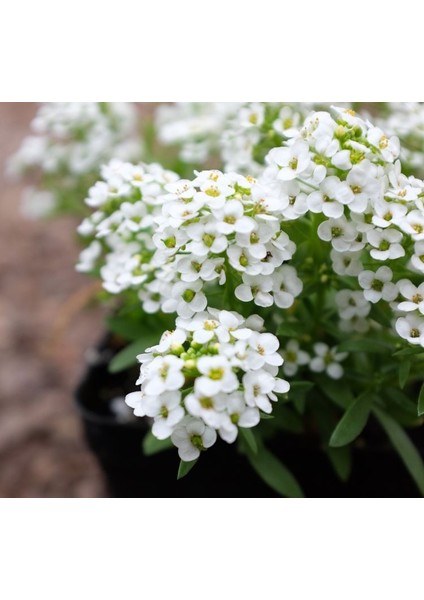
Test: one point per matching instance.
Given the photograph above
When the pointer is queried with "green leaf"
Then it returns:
(128, 356)
(185, 468)
(380, 315)
(265, 417)
(152, 445)
(421, 402)
(338, 391)
(409, 351)
(404, 370)
(353, 421)
(298, 392)
(126, 327)
(370, 346)
(405, 448)
(249, 438)
(299, 404)
(301, 386)
(341, 459)
(290, 330)
(274, 473)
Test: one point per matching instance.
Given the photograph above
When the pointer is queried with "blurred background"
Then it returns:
(43, 338)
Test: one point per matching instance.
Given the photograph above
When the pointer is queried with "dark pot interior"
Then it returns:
(221, 471)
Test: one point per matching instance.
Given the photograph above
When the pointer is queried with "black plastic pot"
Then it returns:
(222, 471)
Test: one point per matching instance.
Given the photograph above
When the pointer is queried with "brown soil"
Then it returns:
(42, 453)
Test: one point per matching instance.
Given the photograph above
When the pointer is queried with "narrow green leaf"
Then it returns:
(265, 417)
(409, 351)
(421, 402)
(249, 438)
(299, 404)
(185, 468)
(353, 421)
(152, 445)
(406, 449)
(288, 330)
(128, 356)
(365, 345)
(337, 391)
(274, 473)
(341, 459)
(380, 315)
(126, 327)
(301, 386)
(404, 370)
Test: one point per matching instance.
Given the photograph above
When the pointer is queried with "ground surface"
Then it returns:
(42, 453)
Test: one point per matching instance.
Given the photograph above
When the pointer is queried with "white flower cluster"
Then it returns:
(196, 126)
(214, 229)
(233, 131)
(345, 170)
(337, 172)
(325, 360)
(406, 120)
(125, 205)
(210, 376)
(70, 141)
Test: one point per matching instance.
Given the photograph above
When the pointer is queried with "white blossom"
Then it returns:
(378, 286)
(294, 358)
(327, 360)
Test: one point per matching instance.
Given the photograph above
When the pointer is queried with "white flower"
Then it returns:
(413, 224)
(263, 351)
(205, 239)
(231, 219)
(346, 263)
(411, 329)
(205, 269)
(365, 184)
(351, 304)
(186, 299)
(389, 147)
(259, 387)
(414, 296)
(294, 357)
(237, 414)
(286, 286)
(340, 232)
(169, 240)
(164, 373)
(292, 161)
(255, 241)
(214, 189)
(327, 359)
(216, 376)
(208, 408)
(89, 256)
(331, 198)
(388, 213)
(288, 122)
(170, 340)
(241, 260)
(136, 401)
(166, 411)
(378, 286)
(191, 437)
(417, 259)
(255, 288)
(386, 244)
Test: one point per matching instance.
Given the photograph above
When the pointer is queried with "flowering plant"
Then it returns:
(282, 292)
(69, 143)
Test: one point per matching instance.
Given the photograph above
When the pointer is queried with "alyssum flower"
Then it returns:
(194, 391)
(320, 232)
